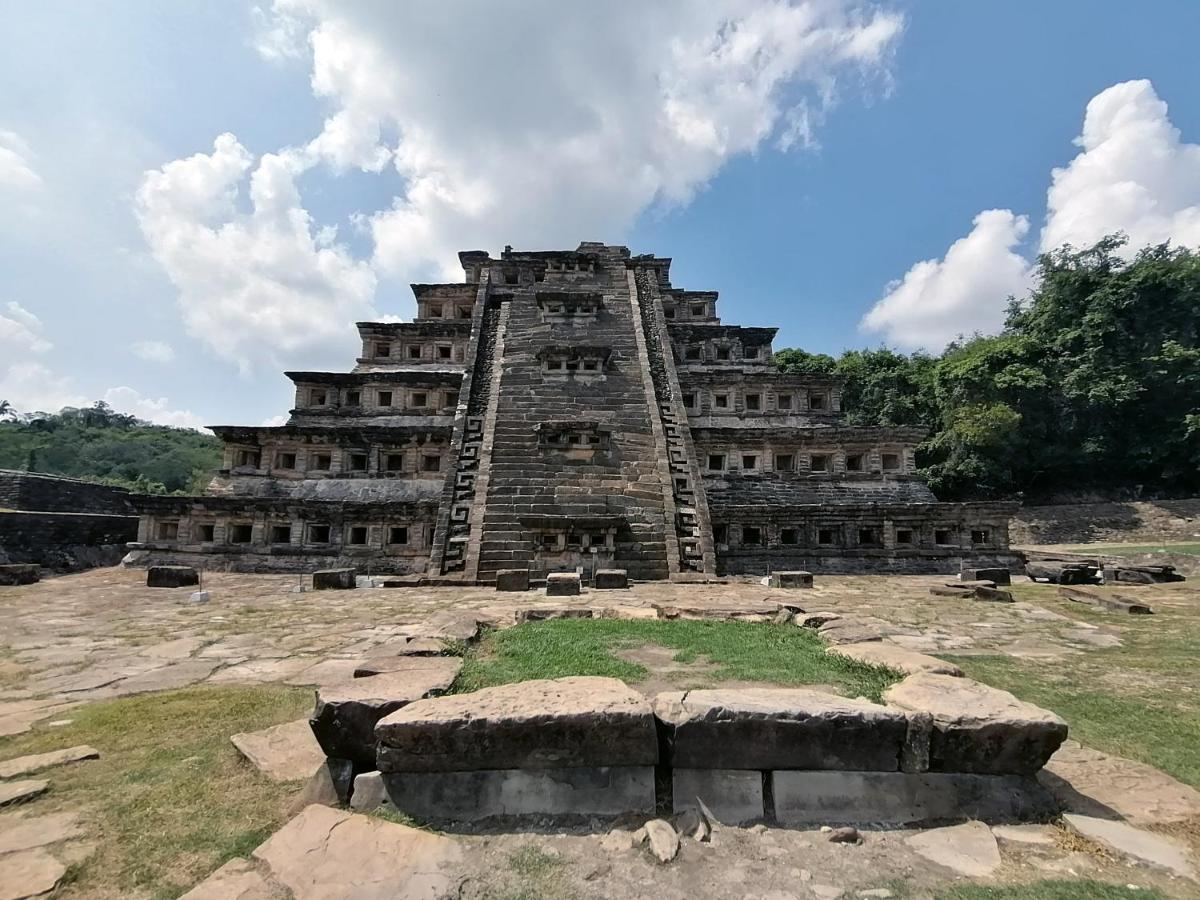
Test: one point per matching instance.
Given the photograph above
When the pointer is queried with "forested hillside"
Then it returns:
(1093, 385)
(99, 444)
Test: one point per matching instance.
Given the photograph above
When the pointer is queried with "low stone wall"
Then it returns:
(1080, 523)
(940, 747)
(65, 541)
(53, 493)
(762, 563)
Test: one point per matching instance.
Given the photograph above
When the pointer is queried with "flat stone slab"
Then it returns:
(1154, 850)
(29, 873)
(547, 613)
(1102, 601)
(21, 831)
(347, 711)
(286, 752)
(328, 854)
(562, 584)
(383, 665)
(19, 791)
(969, 849)
(977, 728)
(902, 660)
(1093, 783)
(483, 794)
(554, 723)
(171, 576)
(734, 796)
(998, 575)
(23, 765)
(903, 798)
(717, 611)
(778, 728)
(238, 879)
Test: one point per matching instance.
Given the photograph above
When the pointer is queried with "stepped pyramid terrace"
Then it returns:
(566, 409)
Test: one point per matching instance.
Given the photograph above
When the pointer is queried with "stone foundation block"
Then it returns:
(19, 573)
(734, 796)
(791, 580)
(768, 728)
(334, 580)
(997, 575)
(810, 798)
(610, 579)
(977, 728)
(346, 713)
(562, 584)
(470, 796)
(512, 580)
(556, 723)
(171, 576)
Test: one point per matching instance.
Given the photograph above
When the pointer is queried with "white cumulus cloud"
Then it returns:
(964, 292)
(1133, 174)
(153, 351)
(21, 330)
(156, 410)
(16, 171)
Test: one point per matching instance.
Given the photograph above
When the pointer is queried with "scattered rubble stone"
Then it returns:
(171, 576)
(286, 752)
(845, 835)
(563, 722)
(334, 580)
(977, 728)
(24, 765)
(664, 842)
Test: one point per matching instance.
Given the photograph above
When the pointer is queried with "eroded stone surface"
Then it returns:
(28, 873)
(977, 728)
(238, 879)
(779, 728)
(286, 752)
(901, 659)
(24, 765)
(583, 721)
(969, 849)
(325, 854)
(1155, 850)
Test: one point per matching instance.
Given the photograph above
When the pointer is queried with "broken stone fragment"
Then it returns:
(23, 765)
(969, 849)
(977, 728)
(584, 721)
(778, 728)
(346, 712)
(664, 842)
(846, 835)
(286, 752)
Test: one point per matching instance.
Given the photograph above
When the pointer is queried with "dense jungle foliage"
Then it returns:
(1093, 385)
(99, 444)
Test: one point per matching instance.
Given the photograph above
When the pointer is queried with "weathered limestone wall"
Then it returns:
(65, 541)
(1077, 523)
(53, 493)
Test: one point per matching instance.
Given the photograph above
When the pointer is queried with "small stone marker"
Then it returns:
(286, 752)
(19, 573)
(610, 579)
(795, 579)
(1117, 604)
(199, 597)
(998, 575)
(562, 584)
(334, 580)
(1154, 850)
(18, 791)
(512, 580)
(171, 576)
(23, 765)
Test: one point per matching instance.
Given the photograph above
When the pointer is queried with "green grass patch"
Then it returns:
(170, 799)
(1050, 890)
(738, 651)
(1155, 728)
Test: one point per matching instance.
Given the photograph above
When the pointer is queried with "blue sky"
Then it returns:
(857, 173)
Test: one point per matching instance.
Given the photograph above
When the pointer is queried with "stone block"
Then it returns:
(791, 579)
(977, 728)
(480, 794)
(562, 584)
(286, 752)
(610, 579)
(558, 723)
(778, 728)
(991, 595)
(734, 796)
(19, 573)
(810, 798)
(998, 575)
(334, 580)
(346, 712)
(512, 580)
(171, 576)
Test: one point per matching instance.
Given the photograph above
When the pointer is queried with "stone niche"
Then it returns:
(574, 362)
(566, 543)
(577, 439)
(570, 307)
